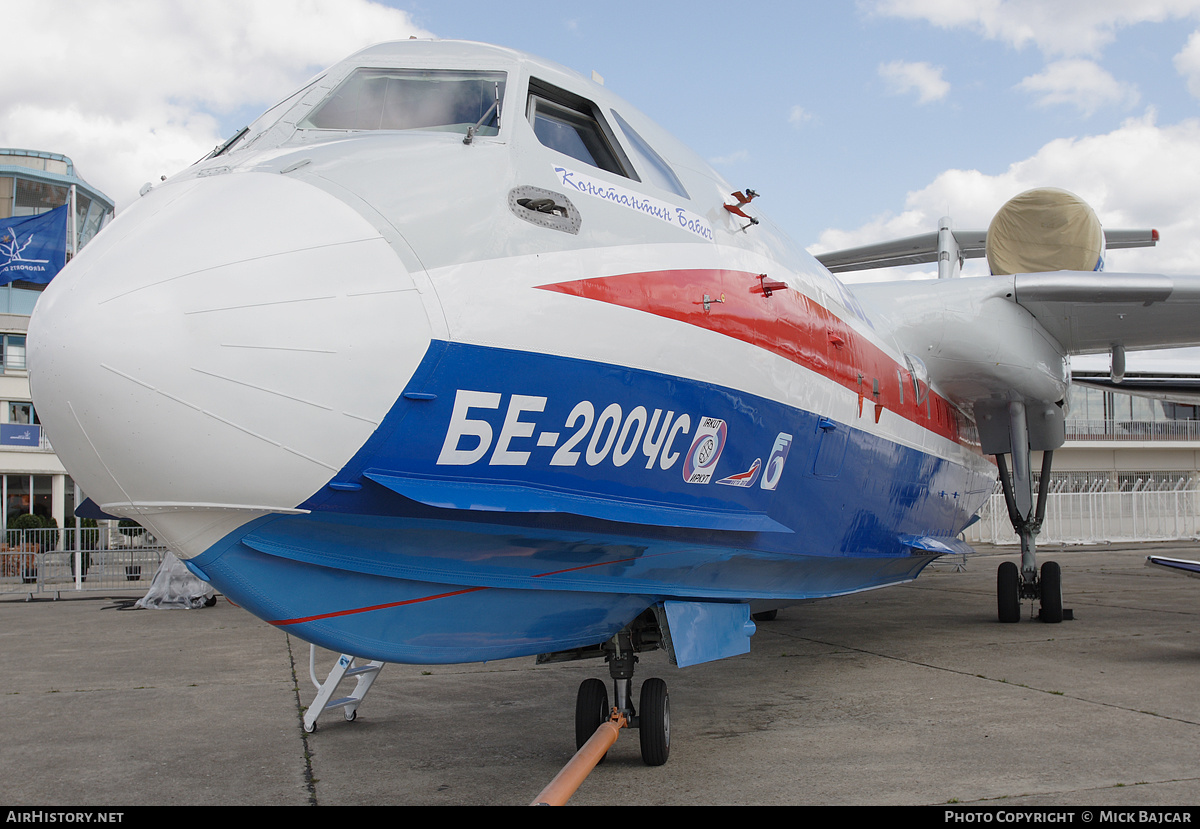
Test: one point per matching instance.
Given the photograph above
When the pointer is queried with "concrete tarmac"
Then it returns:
(910, 695)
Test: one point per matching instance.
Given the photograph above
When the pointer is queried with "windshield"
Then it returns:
(412, 99)
(654, 168)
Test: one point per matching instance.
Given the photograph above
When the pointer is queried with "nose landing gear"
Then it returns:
(654, 720)
(651, 717)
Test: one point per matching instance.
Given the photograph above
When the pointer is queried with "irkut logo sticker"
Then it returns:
(702, 458)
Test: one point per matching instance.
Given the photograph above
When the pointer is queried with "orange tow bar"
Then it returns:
(567, 781)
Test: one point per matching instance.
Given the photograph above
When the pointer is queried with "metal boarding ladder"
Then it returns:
(343, 668)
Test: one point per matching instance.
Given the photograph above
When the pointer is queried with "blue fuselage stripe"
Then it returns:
(480, 429)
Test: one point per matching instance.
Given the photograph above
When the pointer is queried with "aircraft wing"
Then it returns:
(1178, 388)
(1085, 312)
(1091, 312)
(923, 248)
(995, 337)
(1175, 565)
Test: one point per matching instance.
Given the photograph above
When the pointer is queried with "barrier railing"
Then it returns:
(1097, 517)
(54, 560)
(1129, 430)
(51, 560)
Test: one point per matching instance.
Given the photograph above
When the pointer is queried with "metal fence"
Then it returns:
(1096, 517)
(77, 559)
(1141, 430)
(126, 558)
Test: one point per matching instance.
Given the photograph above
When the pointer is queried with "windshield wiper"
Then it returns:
(495, 107)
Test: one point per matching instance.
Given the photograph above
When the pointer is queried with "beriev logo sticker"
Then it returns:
(746, 478)
(775, 462)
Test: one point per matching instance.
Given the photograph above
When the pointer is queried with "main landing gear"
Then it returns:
(1011, 588)
(1013, 584)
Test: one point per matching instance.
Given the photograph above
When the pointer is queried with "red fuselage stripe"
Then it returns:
(336, 613)
(786, 323)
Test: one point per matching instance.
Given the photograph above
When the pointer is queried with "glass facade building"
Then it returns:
(32, 479)
(32, 183)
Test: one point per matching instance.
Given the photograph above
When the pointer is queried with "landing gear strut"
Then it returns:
(1013, 585)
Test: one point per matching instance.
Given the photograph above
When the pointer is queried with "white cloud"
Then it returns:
(733, 158)
(134, 89)
(1056, 28)
(1138, 175)
(1187, 62)
(1081, 83)
(926, 80)
(799, 115)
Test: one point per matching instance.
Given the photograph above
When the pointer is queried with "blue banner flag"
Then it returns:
(33, 248)
(20, 434)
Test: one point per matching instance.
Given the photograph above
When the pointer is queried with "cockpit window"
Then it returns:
(654, 168)
(248, 135)
(413, 99)
(570, 125)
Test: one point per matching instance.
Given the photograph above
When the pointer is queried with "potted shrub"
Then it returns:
(89, 534)
(130, 529)
(27, 548)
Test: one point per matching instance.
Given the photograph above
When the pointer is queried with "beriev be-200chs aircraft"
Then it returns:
(453, 356)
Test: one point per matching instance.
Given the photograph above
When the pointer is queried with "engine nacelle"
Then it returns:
(1046, 229)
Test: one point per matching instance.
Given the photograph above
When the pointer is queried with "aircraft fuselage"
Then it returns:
(488, 376)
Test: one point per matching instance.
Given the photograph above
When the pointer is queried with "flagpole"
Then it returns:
(74, 231)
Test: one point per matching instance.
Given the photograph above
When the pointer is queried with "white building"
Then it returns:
(1129, 470)
(31, 477)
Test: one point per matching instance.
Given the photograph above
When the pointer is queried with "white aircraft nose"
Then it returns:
(223, 348)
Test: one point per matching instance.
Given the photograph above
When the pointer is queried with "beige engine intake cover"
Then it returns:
(1044, 230)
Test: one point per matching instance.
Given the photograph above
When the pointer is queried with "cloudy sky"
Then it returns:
(855, 121)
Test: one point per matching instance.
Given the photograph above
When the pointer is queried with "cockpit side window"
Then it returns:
(413, 99)
(655, 169)
(572, 126)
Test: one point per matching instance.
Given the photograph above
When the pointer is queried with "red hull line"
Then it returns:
(782, 321)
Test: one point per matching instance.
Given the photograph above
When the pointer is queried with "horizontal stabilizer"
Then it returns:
(1117, 239)
(911, 250)
(490, 496)
(923, 248)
